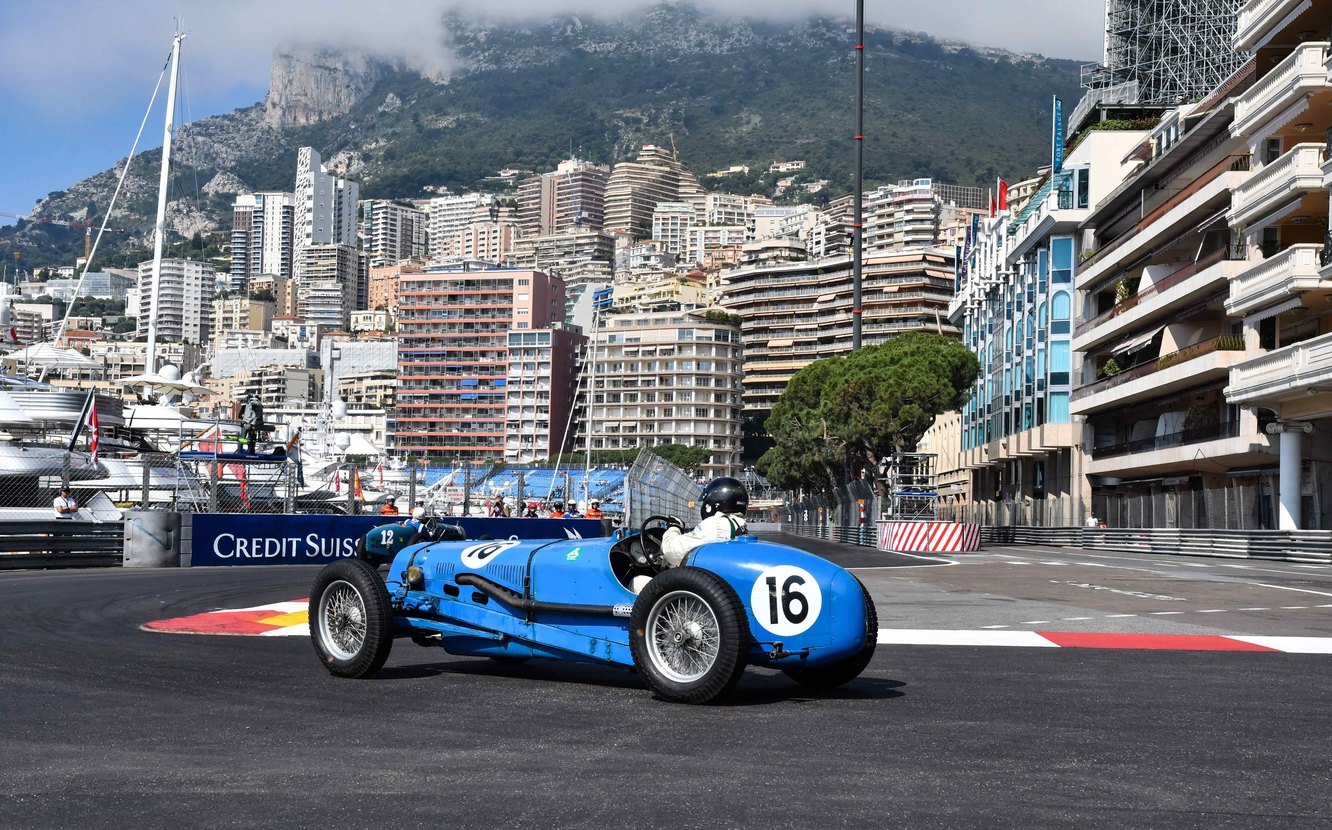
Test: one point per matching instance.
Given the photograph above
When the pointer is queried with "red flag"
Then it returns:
(93, 436)
(380, 469)
(337, 481)
(356, 485)
(1003, 195)
(993, 211)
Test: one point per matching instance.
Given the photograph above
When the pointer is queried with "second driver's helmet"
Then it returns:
(724, 495)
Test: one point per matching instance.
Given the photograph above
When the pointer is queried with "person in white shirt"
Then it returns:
(64, 505)
(724, 503)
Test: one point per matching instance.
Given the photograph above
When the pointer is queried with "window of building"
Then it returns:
(1061, 306)
(1058, 410)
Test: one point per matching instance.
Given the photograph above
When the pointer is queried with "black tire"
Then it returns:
(662, 649)
(351, 622)
(837, 674)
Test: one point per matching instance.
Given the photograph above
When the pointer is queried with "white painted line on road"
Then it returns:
(1017, 563)
(1061, 564)
(1301, 590)
(1294, 645)
(991, 627)
(1293, 607)
(1212, 611)
(1329, 605)
(1111, 616)
(923, 637)
(1165, 613)
(1077, 619)
(1255, 609)
(1035, 622)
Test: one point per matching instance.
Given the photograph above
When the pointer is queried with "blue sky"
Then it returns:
(76, 77)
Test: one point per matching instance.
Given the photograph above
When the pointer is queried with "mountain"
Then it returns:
(725, 91)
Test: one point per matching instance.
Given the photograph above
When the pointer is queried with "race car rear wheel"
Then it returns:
(351, 623)
(836, 674)
(688, 635)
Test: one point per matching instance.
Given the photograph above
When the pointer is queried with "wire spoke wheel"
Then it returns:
(351, 620)
(688, 635)
(684, 636)
(342, 620)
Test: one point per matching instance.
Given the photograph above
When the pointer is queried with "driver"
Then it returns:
(724, 503)
(417, 519)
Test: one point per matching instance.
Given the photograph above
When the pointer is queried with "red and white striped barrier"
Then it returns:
(928, 537)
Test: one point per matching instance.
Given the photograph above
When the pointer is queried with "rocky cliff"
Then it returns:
(308, 84)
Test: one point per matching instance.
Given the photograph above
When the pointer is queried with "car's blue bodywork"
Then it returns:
(570, 599)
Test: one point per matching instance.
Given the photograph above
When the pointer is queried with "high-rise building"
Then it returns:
(392, 232)
(325, 209)
(183, 310)
(666, 377)
(453, 360)
(635, 188)
(795, 312)
(540, 391)
(447, 215)
(572, 197)
(671, 223)
(261, 236)
(282, 289)
(328, 289)
(240, 314)
(563, 254)
(913, 213)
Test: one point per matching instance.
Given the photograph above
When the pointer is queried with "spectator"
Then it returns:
(593, 511)
(64, 505)
(557, 510)
(390, 507)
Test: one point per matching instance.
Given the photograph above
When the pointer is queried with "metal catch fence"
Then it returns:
(656, 487)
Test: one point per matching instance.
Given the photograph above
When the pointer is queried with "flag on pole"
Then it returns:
(379, 468)
(1003, 196)
(94, 437)
(337, 481)
(356, 485)
(993, 211)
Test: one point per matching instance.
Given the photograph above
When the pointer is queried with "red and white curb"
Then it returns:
(290, 619)
(278, 619)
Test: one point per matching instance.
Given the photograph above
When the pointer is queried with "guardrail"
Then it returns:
(1309, 546)
(59, 543)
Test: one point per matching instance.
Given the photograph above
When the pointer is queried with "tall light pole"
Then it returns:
(858, 220)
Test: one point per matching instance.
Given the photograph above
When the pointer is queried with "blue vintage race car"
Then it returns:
(689, 631)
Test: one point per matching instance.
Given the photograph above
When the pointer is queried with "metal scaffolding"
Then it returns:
(1174, 50)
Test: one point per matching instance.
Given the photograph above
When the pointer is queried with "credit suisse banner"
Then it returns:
(283, 539)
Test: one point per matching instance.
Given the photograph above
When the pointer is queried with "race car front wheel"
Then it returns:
(688, 635)
(351, 624)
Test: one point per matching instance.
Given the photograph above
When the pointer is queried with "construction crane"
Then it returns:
(86, 224)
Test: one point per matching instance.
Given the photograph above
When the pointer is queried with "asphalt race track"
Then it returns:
(105, 725)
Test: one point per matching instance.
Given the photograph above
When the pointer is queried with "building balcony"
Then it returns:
(1301, 75)
(1276, 279)
(1304, 368)
(1296, 173)
(1232, 444)
(1191, 366)
(1181, 212)
(1158, 300)
(1259, 21)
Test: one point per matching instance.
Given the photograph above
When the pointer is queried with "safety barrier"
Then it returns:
(57, 543)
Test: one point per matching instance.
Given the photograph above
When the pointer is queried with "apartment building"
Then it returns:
(667, 377)
(325, 207)
(795, 311)
(1283, 295)
(453, 360)
(913, 213)
(635, 188)
(572, 197)
(488, 241)
(282, 289)
(331, 285)
(563, 254)
(541, 385)
(391, 232)
(232, 314)
(262, 228)
(449, 214)
(183, 307)
(1015, 304)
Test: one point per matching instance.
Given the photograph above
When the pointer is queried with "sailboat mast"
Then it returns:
(150, 364)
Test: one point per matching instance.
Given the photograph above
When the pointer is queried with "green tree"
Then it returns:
(842, 415)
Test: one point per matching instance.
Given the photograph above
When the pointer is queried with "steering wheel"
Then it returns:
(650, 534)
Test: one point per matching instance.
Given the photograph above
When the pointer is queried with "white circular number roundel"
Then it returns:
(786, 600)
(477, 556)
